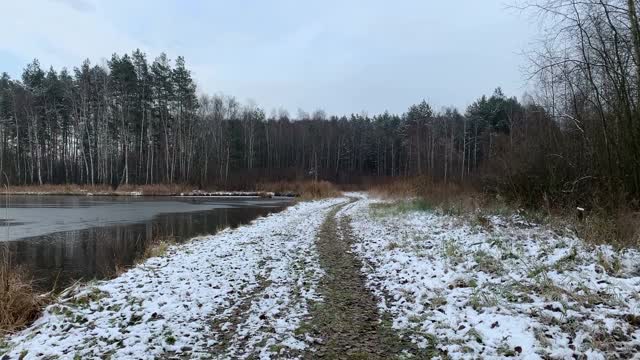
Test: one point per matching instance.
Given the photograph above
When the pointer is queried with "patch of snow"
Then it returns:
(496, 288)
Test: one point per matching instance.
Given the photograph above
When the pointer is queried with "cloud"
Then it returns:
(344, 56)
(60, 33)
(79, 5)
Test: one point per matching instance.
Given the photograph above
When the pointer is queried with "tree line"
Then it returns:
(576, 139)
(135, 122)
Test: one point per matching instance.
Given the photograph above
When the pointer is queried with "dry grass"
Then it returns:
(156, 189)
(307, 190)
(403, 188)
(74, 189)
(621, 230)
(56, 189)
(20, 303)
(451, 198)
(598, 226)
(157, 247)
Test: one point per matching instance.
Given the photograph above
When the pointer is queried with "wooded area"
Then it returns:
(577, 139)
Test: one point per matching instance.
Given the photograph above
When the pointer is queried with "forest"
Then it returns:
(576, 139)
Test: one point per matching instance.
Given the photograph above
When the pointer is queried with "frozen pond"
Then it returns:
(63, 238)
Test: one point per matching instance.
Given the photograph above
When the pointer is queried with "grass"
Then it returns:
(156, 248)
(20, 302)
(451, 250)
(400, 207)
(78, 189)
(612, 265)
(450, 198)
(598, 225)
(567, 262)
(487, 263)
(621, 229)
(480, 299)
(307, 189)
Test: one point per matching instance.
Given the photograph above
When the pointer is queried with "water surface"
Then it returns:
(59, 239)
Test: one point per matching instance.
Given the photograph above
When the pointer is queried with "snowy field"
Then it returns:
(461, 287)
(239, 293)
(492, 287)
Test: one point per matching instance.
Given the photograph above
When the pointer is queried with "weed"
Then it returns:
(392, 246)
(451, 250)
(568, 261)
(438, 301)
(506, 351)
(464, 283)
(475, 335)
(276, 348)
(156, 248)
(482, 221)
(77, 189)
(535, 216)
(487, 263)
(479, 300)
(538, 270)
(170, 340)
(612, 266)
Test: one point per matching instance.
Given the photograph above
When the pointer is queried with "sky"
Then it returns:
(341, 56)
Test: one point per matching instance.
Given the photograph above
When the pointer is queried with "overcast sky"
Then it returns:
(339, 55)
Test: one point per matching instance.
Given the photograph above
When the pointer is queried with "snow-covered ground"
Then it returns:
(462, 287)
(239, 293)
(490, 287)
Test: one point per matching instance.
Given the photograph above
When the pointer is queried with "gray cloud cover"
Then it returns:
(343, 56)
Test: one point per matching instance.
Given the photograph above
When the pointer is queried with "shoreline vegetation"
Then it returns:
(22, 303)
(302, 189)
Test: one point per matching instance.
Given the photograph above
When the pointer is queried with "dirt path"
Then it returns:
(347, 324)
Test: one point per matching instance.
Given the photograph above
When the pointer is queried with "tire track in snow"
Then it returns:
(347, 324)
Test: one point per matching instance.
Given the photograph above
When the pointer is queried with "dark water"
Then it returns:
(59, 239)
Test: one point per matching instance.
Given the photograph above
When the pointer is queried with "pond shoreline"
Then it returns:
(58, 240)
(220, 194)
